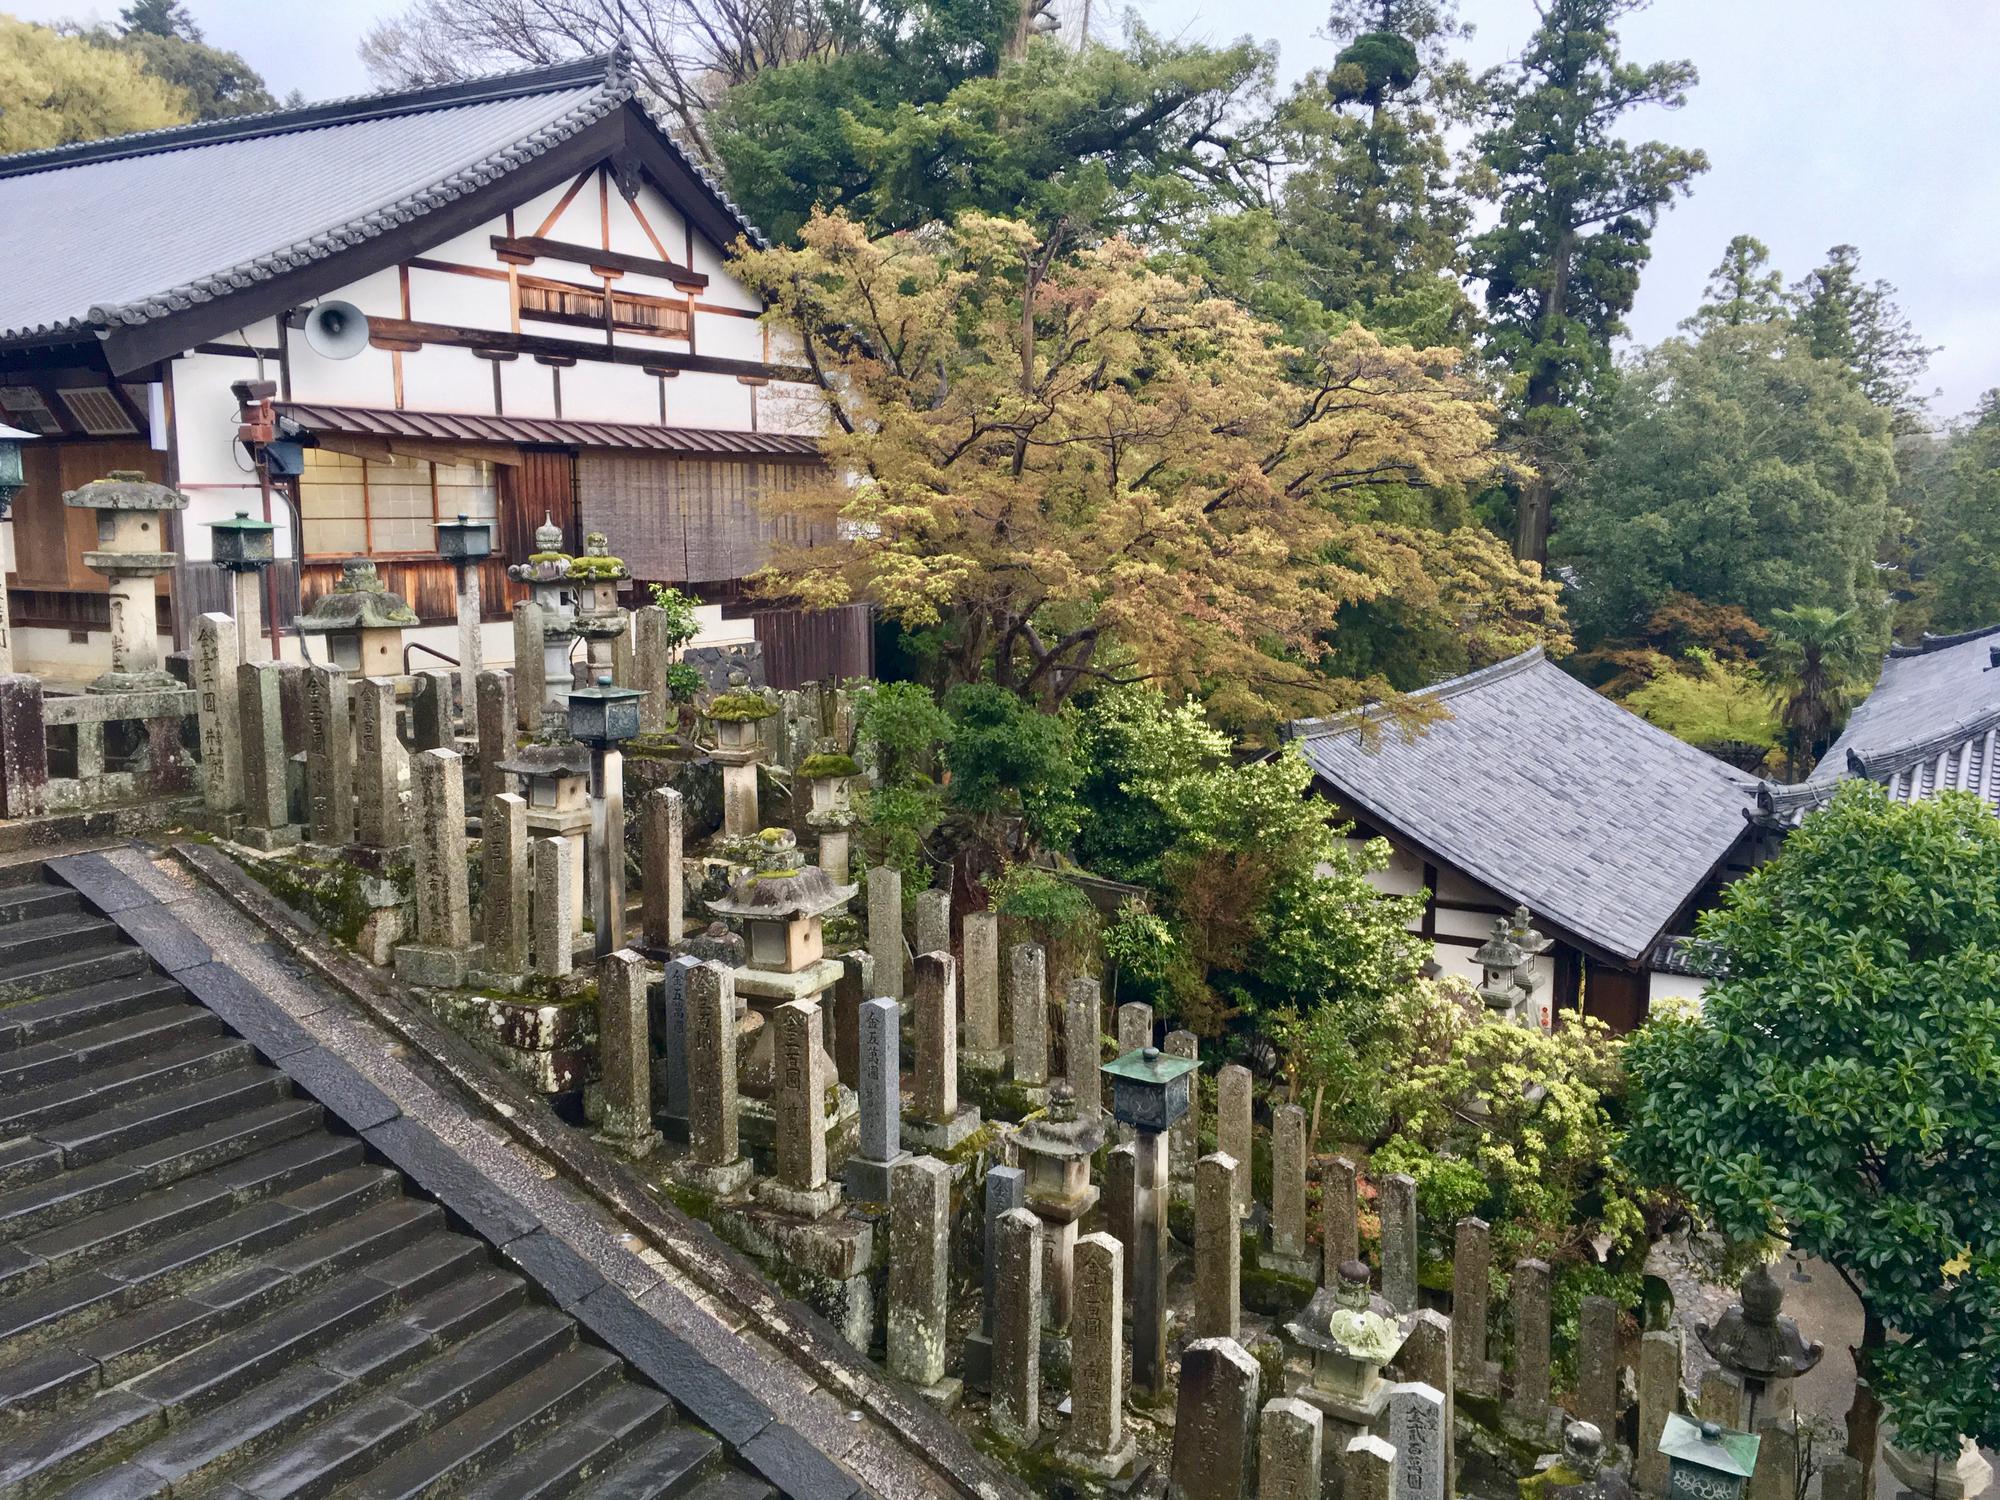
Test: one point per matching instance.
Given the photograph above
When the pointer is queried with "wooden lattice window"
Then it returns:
(586, 307)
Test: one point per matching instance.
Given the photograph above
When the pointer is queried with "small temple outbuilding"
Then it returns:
(1530, 790)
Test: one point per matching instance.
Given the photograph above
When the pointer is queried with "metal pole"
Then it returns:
(1149, 1262)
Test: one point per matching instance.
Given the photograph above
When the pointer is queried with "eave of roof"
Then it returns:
(604, 85)
(472, 427)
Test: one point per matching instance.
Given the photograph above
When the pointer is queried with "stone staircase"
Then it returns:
(207, 1289)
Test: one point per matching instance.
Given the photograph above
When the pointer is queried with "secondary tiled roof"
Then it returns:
(117, 233)
(205, 1288)
(1547, 792)
(1931, 724)
(476, 427)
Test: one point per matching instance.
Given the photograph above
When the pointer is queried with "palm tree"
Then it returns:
(1814, 651)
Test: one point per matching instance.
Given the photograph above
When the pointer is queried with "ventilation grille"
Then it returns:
(97, 411)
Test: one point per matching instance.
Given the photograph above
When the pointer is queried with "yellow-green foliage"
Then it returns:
(1707, 702)
(57, 89)
(1518, 1126)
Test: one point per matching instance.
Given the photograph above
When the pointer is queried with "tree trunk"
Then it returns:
(1312, 1136)
(1864, 1417)
(1531, 531)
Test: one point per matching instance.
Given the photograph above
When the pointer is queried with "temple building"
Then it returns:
(1532, 790)
(1929, 725)
(506, 299)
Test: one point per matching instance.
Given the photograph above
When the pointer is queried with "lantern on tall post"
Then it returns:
(131, 552)
(465, 544)
(1149, 1092)
(245, 547)
(602, 718)
(13, 478)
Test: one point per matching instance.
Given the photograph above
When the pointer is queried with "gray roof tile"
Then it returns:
(1548, 792)
(1930, 696)
(117, 233)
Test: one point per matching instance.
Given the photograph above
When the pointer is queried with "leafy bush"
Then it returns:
(1006, 758)
(1058, 914)
(1532, 1116)
(683, 624)
(683, 682)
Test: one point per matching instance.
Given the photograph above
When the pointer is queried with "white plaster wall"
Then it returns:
(1675, 987)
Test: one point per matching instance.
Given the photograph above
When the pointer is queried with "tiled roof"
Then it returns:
(120, 232)
(206, 1288)
(1930, 724)
(474, 427)
(1547, 792)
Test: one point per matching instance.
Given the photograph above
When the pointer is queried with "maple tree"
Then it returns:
(1076, 468)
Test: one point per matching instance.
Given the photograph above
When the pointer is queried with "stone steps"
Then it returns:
(207, 1290)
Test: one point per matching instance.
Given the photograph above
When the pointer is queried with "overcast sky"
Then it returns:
(1824, 121)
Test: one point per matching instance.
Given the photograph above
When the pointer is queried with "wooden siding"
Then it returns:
(826, 645)
(49, 537)
(691, 520)
(542, 484)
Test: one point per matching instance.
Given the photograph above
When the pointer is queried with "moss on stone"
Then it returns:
(333, 894)
(825, 764)
(739, 708)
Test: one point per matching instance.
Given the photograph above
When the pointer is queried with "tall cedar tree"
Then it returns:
(1841, 1089)
(1742, 290)
(1366, 222)
(1959, 527)
(1577, 207)
(1857, 325)
(1081, 469)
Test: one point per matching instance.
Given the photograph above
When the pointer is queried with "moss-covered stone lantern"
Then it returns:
(781, 905)
(831, 774)
(1349, 1334)
(735, 716)
(1055, 1149)
(361, 621)
(131, 552)
(600, 620)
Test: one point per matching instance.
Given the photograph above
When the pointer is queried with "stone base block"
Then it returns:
(836, 1248)
(434, 968)
(1537, 1422)
(269, 840)
(868, 1181)
(717, 1182)
(984, 1062)
(1300, 1267)
(1482, 1379)
(807, 1203)
(946, 1394)
(979, 1362)
(638, 1145)
(1112, 1465)
(934, 1138)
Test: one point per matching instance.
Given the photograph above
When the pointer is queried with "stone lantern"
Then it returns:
(600, 620)
(244, 547)
(13, 477)
(1533, 944)
(1055, 1148)
(1578, 1472)
(781, 906)
(1763, 1349)
(465, 544)
(1500, 961)
(131, 551)
(1706, 1461)
(555, 782)
(1349, 1333)
(602, 718)
(1149, 1095)
(735, 716)
(362, 621)
(831, 774)
(554, 591)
